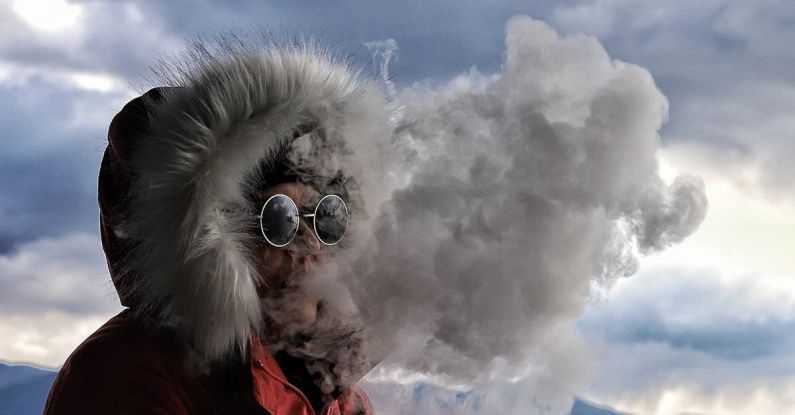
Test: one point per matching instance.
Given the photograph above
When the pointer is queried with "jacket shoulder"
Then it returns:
(121, 369)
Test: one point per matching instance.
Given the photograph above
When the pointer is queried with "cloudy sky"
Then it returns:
(706, 326)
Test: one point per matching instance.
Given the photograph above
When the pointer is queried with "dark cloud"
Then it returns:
(48, 170)
(45, 196)
(694, 312)
(685, 40)
(437, 39)
(725, 338)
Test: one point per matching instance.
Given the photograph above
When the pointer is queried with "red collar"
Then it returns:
(271, 388)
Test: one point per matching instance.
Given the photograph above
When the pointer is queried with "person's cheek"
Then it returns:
(269, 266)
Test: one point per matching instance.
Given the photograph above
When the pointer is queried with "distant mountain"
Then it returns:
(582, 407)
(423, 398)
(23, 389)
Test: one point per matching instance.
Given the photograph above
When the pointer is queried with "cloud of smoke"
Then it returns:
(512, 196)
(384, 51)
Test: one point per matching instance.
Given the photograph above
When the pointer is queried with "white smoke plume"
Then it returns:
(384, 51)
(512, 198)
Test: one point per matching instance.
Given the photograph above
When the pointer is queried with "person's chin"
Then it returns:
(291, 310)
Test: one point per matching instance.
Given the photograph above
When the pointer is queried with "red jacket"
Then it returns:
(124, 368)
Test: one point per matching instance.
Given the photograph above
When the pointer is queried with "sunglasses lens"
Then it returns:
(331, 219)
(279, 221)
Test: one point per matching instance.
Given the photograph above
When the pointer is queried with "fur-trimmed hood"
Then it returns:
(181, 160)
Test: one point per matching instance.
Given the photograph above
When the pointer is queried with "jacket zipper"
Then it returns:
(286, 383)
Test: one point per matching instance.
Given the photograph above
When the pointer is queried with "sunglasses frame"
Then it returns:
(306, 215)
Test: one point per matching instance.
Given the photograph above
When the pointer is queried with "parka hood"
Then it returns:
(181, 160)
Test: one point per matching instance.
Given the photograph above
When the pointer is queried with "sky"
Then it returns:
(704, 327)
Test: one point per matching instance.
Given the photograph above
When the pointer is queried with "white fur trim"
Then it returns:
(192, 265)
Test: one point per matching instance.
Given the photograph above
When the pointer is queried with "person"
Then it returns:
(194, 187)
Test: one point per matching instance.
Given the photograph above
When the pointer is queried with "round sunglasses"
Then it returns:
(279, 220)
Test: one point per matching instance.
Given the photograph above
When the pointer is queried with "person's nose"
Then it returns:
(307, 234)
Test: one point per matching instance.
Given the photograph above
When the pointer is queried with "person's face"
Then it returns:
(282, 269)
